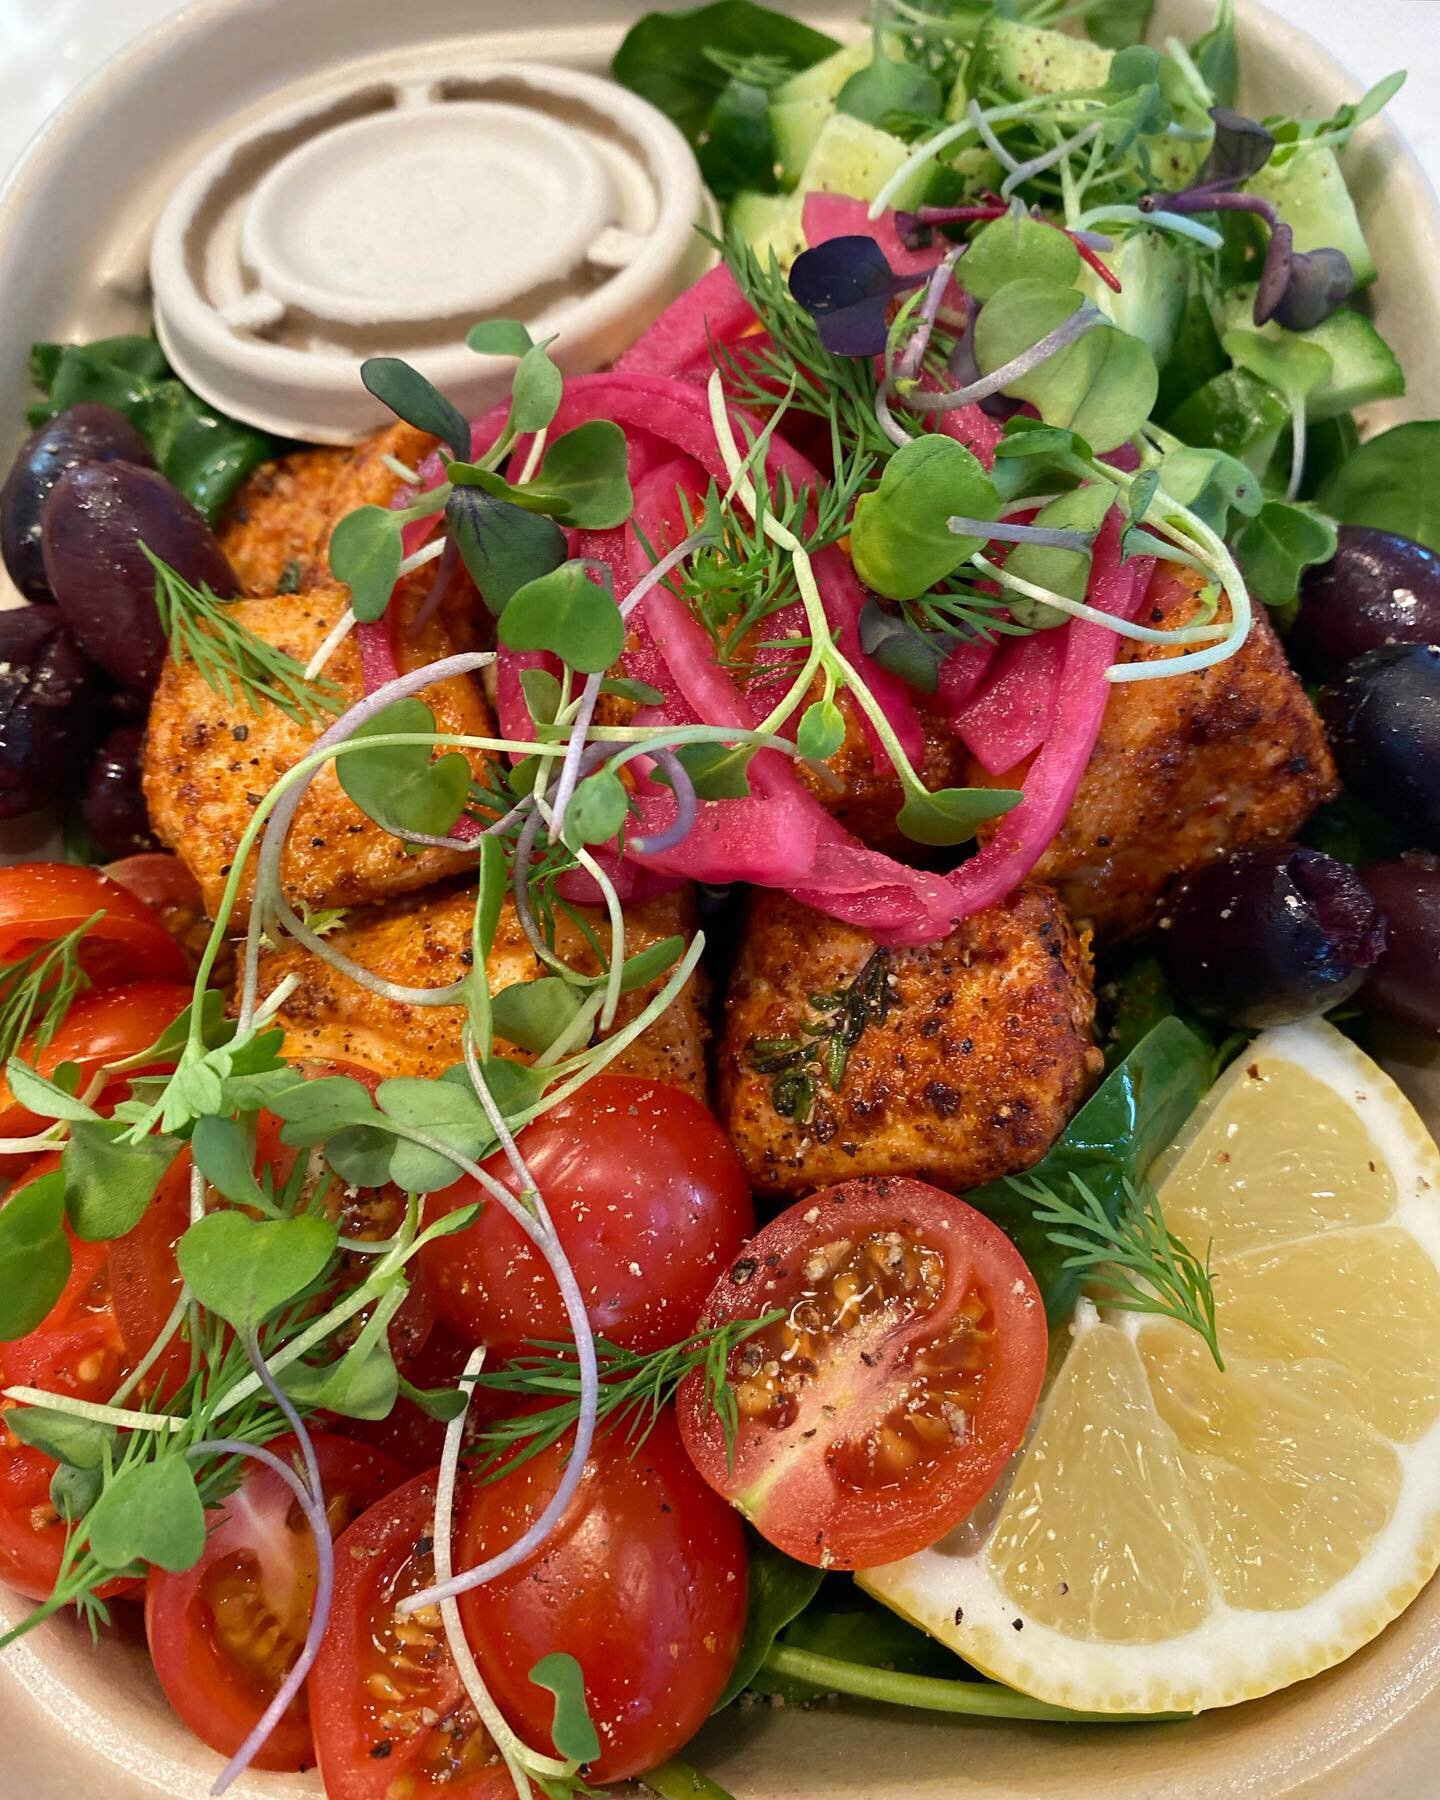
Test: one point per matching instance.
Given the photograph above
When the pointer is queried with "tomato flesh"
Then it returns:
(391, 1718)
(644, 1581)
(224, 1634)
(886, 1397)
(649, 1202)
(42, 901)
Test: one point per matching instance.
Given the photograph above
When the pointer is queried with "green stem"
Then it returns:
(676, 1780)
(929, 1693)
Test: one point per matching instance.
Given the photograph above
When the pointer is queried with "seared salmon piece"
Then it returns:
(277, 530)
(424, 941)
(209, 761)
(958, 1062)
(1186, 771)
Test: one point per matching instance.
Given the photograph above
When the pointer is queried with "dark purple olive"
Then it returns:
(1405, 983)
(50, 705)
(1271, 935)
(96, 519)
(1377, 589)
(86, 433)
(1383, 716)
(113, 809)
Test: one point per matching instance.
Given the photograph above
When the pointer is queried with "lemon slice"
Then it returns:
(1174, 1538)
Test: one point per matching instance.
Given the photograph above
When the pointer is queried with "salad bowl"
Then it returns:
(75, 222)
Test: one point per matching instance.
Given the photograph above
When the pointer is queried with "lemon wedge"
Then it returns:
(1173, 1538)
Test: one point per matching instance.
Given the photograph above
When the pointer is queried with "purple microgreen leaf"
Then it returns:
(1275, 276)
(846, 286)
(1242, 147)
(1320, 282)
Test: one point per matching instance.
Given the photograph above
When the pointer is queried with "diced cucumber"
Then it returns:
(1365, 367)
(823, 80)
(1153, 283)
(1315, 203)
(851, 157)
(770, 222)
(797, 124)
(1028, 59)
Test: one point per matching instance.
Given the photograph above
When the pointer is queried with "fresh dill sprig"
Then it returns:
(39, 988)
(635, 1387)
(231, 659)
(1135, 1260)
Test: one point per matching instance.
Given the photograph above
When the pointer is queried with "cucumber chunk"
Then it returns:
(1312, 197)
(770, 222)
(1028, 59)
(851, 157)
(1153, 284)
(1365, 367)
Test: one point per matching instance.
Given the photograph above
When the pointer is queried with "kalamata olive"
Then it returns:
(1405, 983)
(86, 433)
(1271, 935)
(96, 519)
(113, 809)
(50, 701)
(1377, 589)
(1383, 715)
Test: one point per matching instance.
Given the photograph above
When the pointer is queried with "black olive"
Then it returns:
(1383, 715)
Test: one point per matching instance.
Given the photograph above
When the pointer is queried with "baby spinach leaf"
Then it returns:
(900, 540)
(953, 815)
(586, 470)
(1391, 483)
(1130, 1118)
(149, 1513)
(397, 785)
(1103, 385)
(503, 546)
(34, 1254)
(109, 1183)
(202, 452)
(737, 147)
(887, 88)
(780, 1590)
(366, 551)
(532, 1014)
(245, 1269)
(570, 613)
(573, 1732)
(1018, 246)
(670, 58)
(411, 397)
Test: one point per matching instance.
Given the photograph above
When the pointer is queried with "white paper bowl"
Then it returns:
(75, 222)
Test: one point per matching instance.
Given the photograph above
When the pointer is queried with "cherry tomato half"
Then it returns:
(887, 1398)
(648, 1200)
(644, 1581)
(166, 886)
(225, 1634)
(98, 1029)
(41, 901)
(391, 1718)
(83, 1347)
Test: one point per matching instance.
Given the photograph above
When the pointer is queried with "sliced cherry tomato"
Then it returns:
(391, 1718)
(644, 1581)
(225, 1634)
(172, 893)
(83, 1347)
(649, 1202)
(99, 1028)
(145, 1281)
(888, 1398)
(41, 901)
